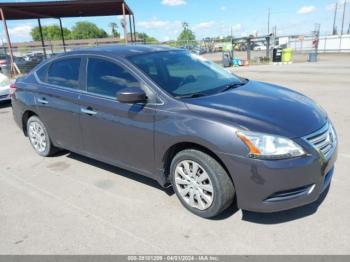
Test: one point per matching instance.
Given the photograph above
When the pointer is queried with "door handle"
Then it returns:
(42, 101)
(88, 111)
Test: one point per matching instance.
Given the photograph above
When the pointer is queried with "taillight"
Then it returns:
(12, 90)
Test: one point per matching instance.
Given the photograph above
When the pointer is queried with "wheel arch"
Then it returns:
(178, 147)
(26, 115)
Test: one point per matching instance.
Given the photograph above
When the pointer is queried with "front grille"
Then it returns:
(324, 140)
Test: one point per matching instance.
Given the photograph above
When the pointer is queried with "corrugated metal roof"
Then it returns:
(60, 9)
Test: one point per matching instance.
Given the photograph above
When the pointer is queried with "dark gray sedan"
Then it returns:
(177, 118)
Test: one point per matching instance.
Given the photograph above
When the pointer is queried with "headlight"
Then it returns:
(333, 134)
(270, 147)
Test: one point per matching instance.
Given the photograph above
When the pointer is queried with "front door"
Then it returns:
(118, 133)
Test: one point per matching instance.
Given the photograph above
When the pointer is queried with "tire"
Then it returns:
(204, 203)
(35, 129)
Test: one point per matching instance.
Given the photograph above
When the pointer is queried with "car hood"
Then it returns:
(263, 107)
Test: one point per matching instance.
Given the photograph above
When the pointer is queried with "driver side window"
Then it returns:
(107, 78)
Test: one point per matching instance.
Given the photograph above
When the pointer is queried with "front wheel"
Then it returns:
(201, 183)
(39, 137)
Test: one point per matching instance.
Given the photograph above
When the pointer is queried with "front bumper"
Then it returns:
(271, 186)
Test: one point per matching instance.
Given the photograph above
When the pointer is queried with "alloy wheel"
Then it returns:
(194, 185)
(37, 136)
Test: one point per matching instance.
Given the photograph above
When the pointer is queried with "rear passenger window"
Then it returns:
(107, 78)
(42, 73)
(64, 73)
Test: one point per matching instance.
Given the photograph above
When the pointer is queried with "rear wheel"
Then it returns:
(201, 183)
(39, 137)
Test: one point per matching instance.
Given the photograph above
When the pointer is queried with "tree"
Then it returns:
(146, 38)
(186, 34)
(51, 32)
(87, 30)
(114, 27)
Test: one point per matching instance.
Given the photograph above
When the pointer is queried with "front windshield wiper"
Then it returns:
(194, 95)
(232, 86)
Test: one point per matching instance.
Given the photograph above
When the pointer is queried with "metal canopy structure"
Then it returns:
(63, 9)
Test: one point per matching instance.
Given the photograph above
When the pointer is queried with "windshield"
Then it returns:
(181, 73)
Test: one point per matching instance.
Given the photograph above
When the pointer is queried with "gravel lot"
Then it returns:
(73, 205)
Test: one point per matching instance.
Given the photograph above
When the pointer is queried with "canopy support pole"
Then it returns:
(130, 28)
(62, 35)
(42, 38)
(124, 24)
(9, 45)
(133, 22)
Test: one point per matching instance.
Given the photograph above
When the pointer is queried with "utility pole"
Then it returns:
(335, 19)
(268, 21)
(274, 36)
(342, 24)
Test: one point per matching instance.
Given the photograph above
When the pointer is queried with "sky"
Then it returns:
(208, 18)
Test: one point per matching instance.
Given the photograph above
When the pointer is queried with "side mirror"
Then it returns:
(131, 95)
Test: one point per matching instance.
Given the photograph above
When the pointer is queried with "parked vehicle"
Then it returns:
(35, 56)
(4, 60)
(198, 50)
(4, 87)
(259, 47)
(179, 119)
(24, 64)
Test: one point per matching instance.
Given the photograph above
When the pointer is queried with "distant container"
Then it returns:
(277, 55)
(287, 55)
(312, 57)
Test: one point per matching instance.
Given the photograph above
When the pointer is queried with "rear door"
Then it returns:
(115, 132)
(57, 101)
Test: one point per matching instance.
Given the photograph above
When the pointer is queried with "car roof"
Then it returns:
(122, 50)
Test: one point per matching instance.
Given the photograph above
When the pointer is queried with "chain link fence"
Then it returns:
(226, 51)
